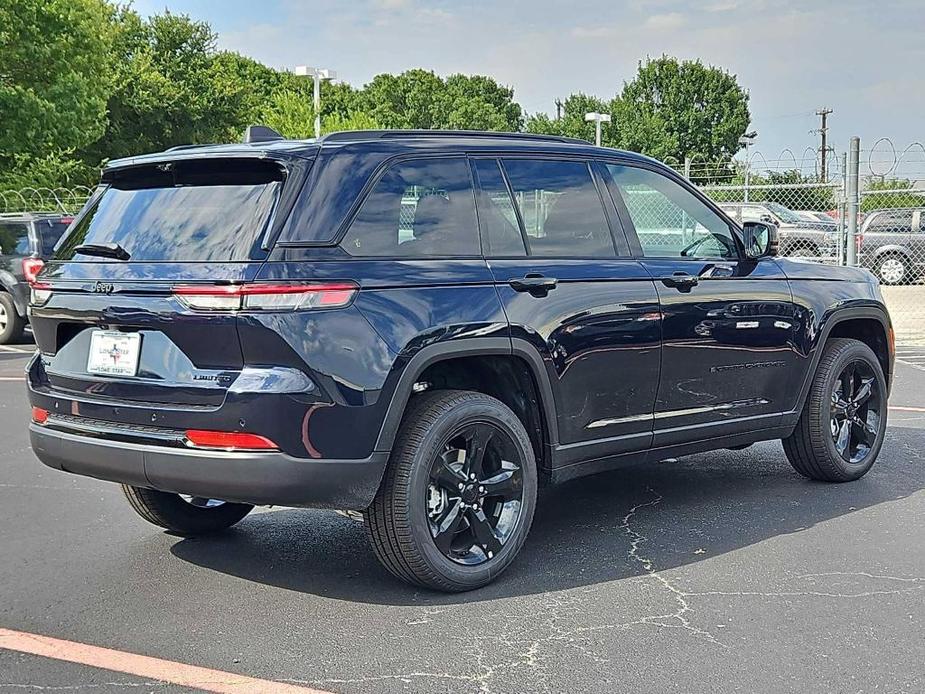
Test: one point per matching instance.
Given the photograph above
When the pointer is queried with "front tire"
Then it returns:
(11, 323)
(458, 496)
(841, 429)
(184, 515)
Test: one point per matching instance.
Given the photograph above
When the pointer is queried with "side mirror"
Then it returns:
(761, 240)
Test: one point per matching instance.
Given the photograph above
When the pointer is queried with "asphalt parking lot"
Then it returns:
(720, 572)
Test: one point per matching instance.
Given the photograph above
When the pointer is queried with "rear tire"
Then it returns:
(11, 323)
(837, 440)
(187, 518)
(432, 523)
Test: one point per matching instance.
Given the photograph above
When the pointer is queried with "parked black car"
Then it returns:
(426, 327)
(26, 240)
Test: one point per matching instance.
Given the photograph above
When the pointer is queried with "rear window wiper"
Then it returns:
(104, 250)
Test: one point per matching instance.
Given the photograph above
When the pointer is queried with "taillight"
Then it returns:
(266, 297)
(31, 267)
(858, 240)
(39, 416)
(228, 441)
(40, 293)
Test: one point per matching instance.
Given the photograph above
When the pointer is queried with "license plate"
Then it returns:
(114, 353)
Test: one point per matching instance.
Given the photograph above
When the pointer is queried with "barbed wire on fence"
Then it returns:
(62, 200)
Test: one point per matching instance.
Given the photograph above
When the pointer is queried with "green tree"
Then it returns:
(573, 123)
(901, 193)
(675, 109)
(54, 79)
(420, 99)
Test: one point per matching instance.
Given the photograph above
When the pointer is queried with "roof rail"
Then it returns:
(190, 146)
(354, 135)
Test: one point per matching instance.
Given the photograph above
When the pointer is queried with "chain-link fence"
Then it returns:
(808, 199)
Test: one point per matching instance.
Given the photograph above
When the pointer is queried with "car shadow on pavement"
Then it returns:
(677, 512)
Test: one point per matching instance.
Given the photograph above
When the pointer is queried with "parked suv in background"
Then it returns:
(798, 236)
(26, 240)
(427, 326)
(892, 244)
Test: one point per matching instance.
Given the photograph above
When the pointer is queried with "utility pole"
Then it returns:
(823, 149)
(559, 107)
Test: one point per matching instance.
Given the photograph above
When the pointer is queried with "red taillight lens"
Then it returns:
(228, 440)
(39, 416)
(31, 267)
(858, 240)
(266, 297)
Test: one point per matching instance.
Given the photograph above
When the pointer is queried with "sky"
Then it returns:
(863, 59)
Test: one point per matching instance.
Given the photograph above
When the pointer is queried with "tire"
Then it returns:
(893, 269)
(404, 519)
(187, 518)
(813, 447)
(11, 323)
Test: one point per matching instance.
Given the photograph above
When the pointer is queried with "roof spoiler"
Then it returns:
(260, 133)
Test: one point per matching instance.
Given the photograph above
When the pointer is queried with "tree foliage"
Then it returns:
(891, 192)
(83, 81)
(55, 58)
(675, 109)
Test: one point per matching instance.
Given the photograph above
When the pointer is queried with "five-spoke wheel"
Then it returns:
(842, 425)
(458, 495)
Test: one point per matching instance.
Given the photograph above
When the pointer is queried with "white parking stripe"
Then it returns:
(7, 348)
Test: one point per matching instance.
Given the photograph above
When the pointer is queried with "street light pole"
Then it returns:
(746, 140)
(597, 118)
(317, 74)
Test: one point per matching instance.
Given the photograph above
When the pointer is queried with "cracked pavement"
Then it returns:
(718, 572)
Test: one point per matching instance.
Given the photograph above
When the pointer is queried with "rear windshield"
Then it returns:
(50, 231)
(187, 211)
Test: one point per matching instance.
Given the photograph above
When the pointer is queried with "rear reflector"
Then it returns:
(228, 440)
(39, 416)
(40, 293)
(31, 267)
(266, 297)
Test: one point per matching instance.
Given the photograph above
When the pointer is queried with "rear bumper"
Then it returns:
(260, 478)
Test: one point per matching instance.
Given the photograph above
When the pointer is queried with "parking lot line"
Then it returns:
(12, 378)
(7, 348)
(144, 666)
(900, 408)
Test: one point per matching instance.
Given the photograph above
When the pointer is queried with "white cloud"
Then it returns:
(665, 22)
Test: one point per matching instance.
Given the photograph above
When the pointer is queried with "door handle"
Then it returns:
(535, 284)
(681, 281)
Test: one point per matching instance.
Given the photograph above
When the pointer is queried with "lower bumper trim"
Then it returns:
(259, 478)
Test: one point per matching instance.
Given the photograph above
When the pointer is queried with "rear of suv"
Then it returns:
(426, 327)
(26, 241)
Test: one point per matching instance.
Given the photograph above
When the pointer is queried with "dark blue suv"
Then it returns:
(427, 326)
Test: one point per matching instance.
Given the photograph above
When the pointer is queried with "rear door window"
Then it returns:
(561, 208)
(215, 210)
(422, 207)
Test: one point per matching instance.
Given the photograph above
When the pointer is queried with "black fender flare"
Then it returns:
(836, 317)
(466, 347)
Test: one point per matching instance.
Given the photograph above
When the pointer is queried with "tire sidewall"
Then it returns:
(13, 320)
(487, 411)
(857, 352)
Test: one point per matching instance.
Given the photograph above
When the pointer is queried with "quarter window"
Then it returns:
(669, 220)
(560, 207)
(423, 207)
(14, 239)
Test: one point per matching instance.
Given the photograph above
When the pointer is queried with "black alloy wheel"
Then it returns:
(475, 495)
(856, 411)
